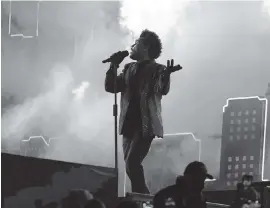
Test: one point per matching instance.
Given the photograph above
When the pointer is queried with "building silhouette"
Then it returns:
(34, 146)
(243, 142)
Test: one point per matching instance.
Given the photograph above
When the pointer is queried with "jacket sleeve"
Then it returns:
(120, 81)
(255, 196)
(160, 198)
(163, 81)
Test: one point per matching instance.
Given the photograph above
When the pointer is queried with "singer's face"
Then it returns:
(137, 50)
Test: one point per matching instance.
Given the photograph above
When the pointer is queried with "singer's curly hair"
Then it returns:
(152, 40)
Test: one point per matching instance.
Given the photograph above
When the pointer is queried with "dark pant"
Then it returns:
(135, 150)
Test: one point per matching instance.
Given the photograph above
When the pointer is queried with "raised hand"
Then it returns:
(171, 68)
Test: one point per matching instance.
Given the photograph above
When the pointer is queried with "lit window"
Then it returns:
(245, 136)
(238, 137)
(238, 129)
(254, 112)
(250, 173)
(236, 175)
(243, 173)
(232, 113)
(253, 120)
(235, 183)
(228, 183)
(247, 112)
(239, 113)
(236, 167)
(253, 136)
(228, 175)
(232, 121)
(239, 121)
(230, 159)
(253, 127)
(229, 167)
(245, 128)
(246, 120)
(251, 165)
(231, 129)
(231, 137)
(251, 157)
(244, 158)
(237, 158)
(244, 166)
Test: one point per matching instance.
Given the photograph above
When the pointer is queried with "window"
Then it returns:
(251, 157)
(230, 159)
(245, 136)
(228, 183)
(232, 113)
(237, 158)
(246, 120)
(245, 128)
(251, 165)
(236, 167)
(235, 183)
(238, 121)
(244, 158)
(228, 175)
(243, 173)
(229, 167)
(231, 129)
(239, 113)
(244, 166)
(250, 173)
(238, 137)
(254, 112)
(232, 122)
(236, 175)
(253, 120)
(247, 112)
(238, 129)
(253, 128)
(231, 138)
(253, 136)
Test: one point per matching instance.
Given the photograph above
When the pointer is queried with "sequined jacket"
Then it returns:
(153, 84)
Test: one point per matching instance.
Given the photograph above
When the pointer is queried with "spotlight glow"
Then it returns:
(79, 92)
(157, 15)
(266, 5)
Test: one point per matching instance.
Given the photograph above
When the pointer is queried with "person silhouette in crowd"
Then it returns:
(187, 191)
(127, 204)
(38, 203)
(51, 205)
(77, 198)
(95, 203)
(246, 195)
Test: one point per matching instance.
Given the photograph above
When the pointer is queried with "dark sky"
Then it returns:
(224, 48)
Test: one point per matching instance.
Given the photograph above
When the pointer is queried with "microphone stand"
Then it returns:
(114, 67)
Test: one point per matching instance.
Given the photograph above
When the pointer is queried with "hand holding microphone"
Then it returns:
(117, 58)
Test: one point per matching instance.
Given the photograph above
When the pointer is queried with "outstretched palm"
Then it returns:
(171, 67)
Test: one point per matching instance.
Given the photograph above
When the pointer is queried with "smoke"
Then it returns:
(57, 77)
(158, 16)
(266, 4)
(222, 46)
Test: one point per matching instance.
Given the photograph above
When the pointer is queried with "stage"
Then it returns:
(27, 179)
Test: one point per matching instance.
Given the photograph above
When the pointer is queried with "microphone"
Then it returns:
(117, 58)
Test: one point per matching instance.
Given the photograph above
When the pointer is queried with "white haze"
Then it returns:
(222, 46)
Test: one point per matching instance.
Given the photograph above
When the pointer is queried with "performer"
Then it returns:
(142, 84)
